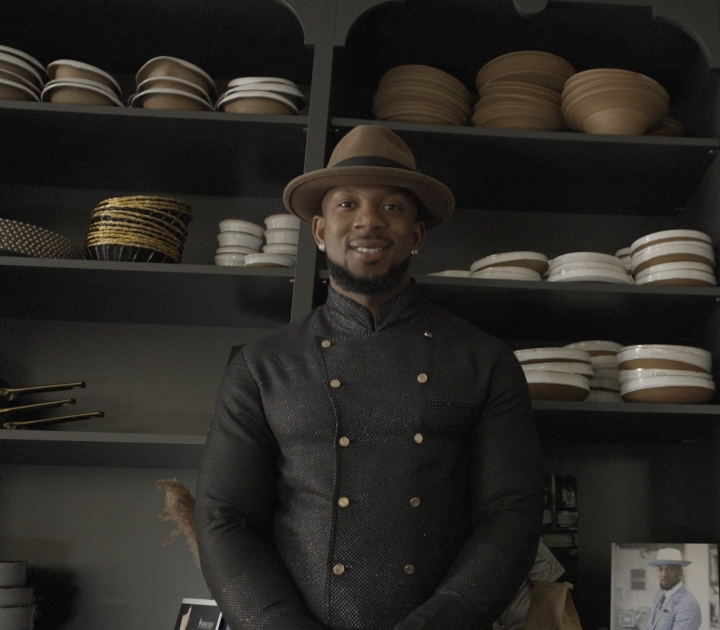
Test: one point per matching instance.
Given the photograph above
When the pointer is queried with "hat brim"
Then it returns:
(659, 563)
(303, 195)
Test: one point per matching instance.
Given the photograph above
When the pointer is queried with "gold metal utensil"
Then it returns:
(31, 424)
(11, 393)
(44, 405)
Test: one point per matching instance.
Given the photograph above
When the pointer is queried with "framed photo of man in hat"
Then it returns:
(664, 586)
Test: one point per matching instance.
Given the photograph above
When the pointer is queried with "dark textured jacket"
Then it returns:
(369, 478)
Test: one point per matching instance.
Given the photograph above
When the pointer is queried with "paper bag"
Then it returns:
(551, 607)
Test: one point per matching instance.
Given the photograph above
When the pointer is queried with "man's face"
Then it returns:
(369, 232)
(669, 575)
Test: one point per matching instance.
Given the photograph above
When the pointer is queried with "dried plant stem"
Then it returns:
(180, 507)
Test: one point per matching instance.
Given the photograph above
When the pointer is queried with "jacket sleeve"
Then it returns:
(507, 512)
(236, 497)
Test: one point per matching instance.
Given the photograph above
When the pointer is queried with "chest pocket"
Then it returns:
(449, 418)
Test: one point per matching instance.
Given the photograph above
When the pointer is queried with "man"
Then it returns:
(674, 608)
(373, 465)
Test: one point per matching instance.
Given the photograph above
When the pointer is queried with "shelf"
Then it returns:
(74, 448)
(539, 171)
(617, 422)
(150, 151)
(145, 293)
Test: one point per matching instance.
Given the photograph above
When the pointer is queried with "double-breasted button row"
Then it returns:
(339, 569)
(345, 441)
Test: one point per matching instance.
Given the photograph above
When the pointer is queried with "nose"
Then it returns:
(369, 217)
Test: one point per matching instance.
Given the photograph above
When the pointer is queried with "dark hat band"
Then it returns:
(372, 160)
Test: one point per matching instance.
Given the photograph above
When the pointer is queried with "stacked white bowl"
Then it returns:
(172, 83)
(261, 95)
(605, 385)
(674, 257)
(665, 374)
(237, 239)
(77, 83)
(281, 239)
(624, 254)
(526, 266)
(17, 608)
(588, 267)
(556, 373)
(21, 76)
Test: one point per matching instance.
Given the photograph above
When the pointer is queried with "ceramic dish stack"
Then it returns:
(23, 239)
(521, 90)
(588, 267)
(674, 257)
(526, 266)
(17, 608)
(556, 373)
(237, 239)
(261, 95)
(421, 94)
(281, 239)
(77, 83)
(172, 83)
(22, 77)
(604, 386)
(613, 101)
(624, 254)
(451, 273)
(666, 374)
(138, 229)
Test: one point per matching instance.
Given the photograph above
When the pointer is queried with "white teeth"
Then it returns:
(368, 250)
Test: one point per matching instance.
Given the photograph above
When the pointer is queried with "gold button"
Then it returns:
(335, 383)
(326, 343)
(343, 501)
(422, 378)
(343, 441)
(418, 437)
(428, 334)
(414, 501)
(339, 569)
(409, 569)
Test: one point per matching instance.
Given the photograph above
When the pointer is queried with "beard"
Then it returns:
(351, 283)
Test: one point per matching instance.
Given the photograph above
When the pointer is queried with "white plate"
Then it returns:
(653, 254)
(597, 347)
(227, 98)
(245, 80)
(22, 68)
(52, 86)
(535, 261)
(589, 257)
(525, 271)
(624, 252)
(539, 355)
(230, 260)
(683, 265)
(139, 98)
(670, 235)
(698, 352)
(269, 260)
(280, 248)
(592, 266)
(628, 375)
(289, 237)
(598, 395)
(275, 88)
(14, 77)
(19, 596)
(698, 358)
(652, 382)
(26, 58)
(591, 275)
(500, 273)
(176, 83)
(452, 273)
(235, 249)
(83, 83)
(583, 369)
(282, 221)
(601, 361)
(19, 86)
(239, 225)
(147, 68)
(690, 277)
(609, 384)
(239, 239)
(85, 67)
(558, 378)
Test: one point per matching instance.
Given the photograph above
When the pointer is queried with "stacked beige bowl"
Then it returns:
(77, 83)
(261, 95)
(172, 83)
(613, 101)
(674, 257)
(521, 90)
(588, 267)
(526, 266)
(17, 607)
(556, 373)
(281, 239)
(605, 384)
(665, 374)
(237, 240)
(22, 77)
(421, 94)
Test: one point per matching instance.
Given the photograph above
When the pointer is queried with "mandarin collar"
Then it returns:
(355, 318)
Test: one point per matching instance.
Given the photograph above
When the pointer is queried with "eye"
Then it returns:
(392, 207)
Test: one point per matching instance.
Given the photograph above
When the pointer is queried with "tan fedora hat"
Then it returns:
(669, 556)
(370, 155)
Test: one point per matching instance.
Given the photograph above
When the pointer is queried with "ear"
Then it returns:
(318, 229)
(418, 234)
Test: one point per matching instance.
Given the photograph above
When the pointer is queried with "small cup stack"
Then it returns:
(674, 257)
(17, 601)
(588, 267)
(237, 240)
(604, 385)
(665, 374)
(556, 373)
(527, 266)
(281, 239)
(172, 83)
(78, 83)
(22, 77)
(261, 95)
